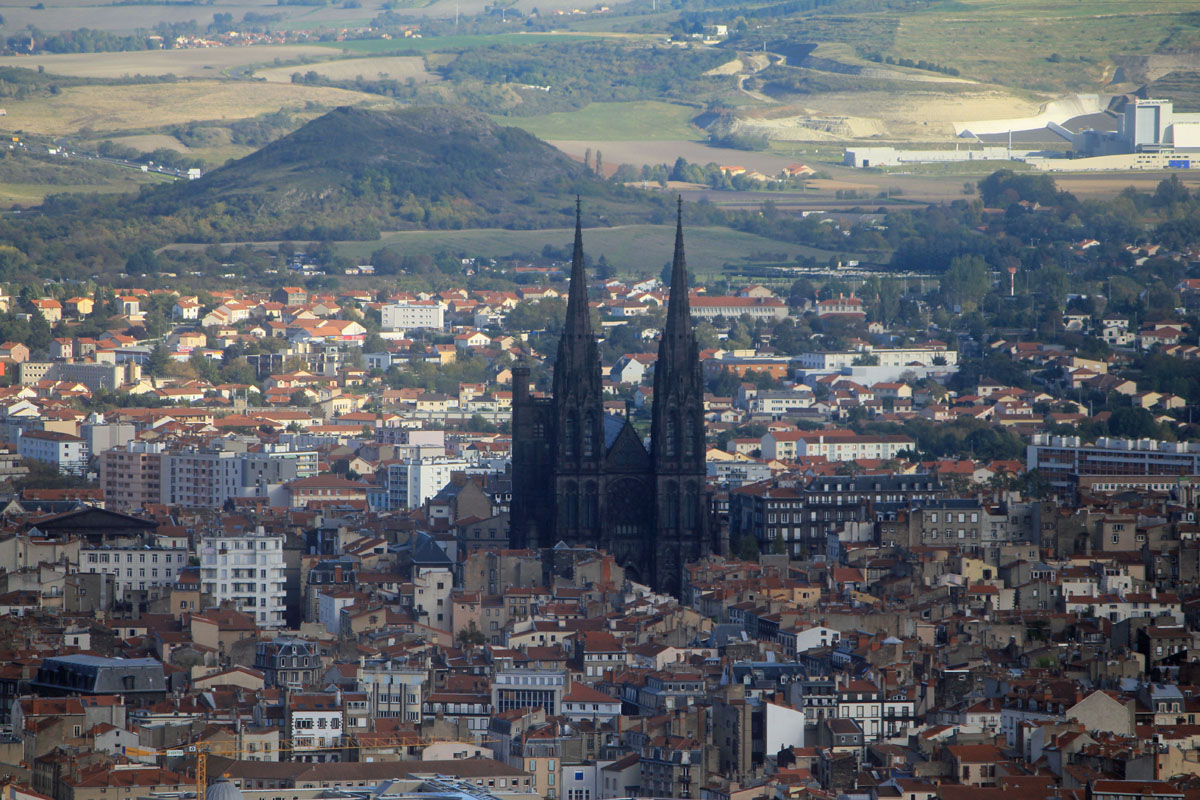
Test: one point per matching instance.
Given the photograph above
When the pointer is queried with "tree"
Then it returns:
(747, 548)
(604, 270)
(157, 363)
(966, 281)
(298, 398)
(203, 368)
(470, 636)
(142, 260)
(40, 333)
(599, 164)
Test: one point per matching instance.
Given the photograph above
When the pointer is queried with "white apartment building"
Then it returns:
(928, 356)
(791, 445)
(207, 478)
(414, 480)
(135, 568)
(247, 569)
(66, 452)
(413, 314)
(200, 478)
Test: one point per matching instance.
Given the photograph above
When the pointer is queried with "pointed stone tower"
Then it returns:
(677, 435)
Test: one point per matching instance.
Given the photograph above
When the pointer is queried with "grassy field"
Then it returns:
(1032, 44)
(138, 107)
(430, 43)
(193, 63)
(639, 121)
(633, 249)
(57, 15)
(397, 68)
(30, 194)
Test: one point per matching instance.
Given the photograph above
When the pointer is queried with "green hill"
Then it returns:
(355, 172)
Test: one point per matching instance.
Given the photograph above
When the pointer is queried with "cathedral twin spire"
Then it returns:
(577, 371)
(678, 338)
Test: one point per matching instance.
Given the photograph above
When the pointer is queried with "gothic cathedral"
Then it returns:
(583, 477)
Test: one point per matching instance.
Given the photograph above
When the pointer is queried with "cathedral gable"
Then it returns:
(627, 453)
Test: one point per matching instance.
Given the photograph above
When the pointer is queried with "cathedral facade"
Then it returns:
(583, 477)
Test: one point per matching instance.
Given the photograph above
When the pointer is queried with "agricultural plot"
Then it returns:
(138, 107)
(642, 121)
(58, 15)
(192, 63)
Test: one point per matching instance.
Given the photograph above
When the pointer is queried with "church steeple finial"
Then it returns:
(577, 254)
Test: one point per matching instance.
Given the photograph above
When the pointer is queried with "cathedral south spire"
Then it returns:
(677, 435)
(679, 312)
(579, 321)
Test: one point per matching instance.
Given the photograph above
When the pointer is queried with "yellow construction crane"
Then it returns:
(204, 749)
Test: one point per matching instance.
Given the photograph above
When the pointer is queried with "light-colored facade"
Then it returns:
(887, 357)
(135, 568)
(207, 478)
(394, 689)
(200, 478)
(1062, 458)
(248, 570)
(413, 481)
(413, 314)
(131, 476)
(768, 308)
(65, 452)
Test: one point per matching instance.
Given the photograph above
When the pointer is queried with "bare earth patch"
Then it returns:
(148, 142)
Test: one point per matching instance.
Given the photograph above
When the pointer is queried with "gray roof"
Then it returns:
(612, 429)
(427, 552)
(85, 674)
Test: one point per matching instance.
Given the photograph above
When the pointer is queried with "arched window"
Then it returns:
(672, 443)
(691, 434)
(571, 435)
(591, 505)
(691, 506)
(571, 506)
(589, 435)
(671, 505)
